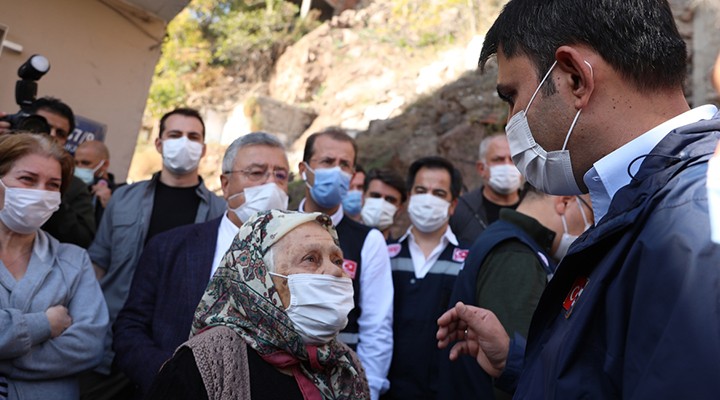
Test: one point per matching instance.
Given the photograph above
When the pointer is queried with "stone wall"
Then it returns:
(452, 121)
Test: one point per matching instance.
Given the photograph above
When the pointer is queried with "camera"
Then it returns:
(25, 92)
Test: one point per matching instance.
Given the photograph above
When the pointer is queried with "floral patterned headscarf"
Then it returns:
(241, 295)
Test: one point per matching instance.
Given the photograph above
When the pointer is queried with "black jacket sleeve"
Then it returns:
(74, 222)
(179, 379)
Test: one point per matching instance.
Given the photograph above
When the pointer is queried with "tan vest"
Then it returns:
(222, 359)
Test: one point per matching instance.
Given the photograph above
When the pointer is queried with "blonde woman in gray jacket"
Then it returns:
(53, 315)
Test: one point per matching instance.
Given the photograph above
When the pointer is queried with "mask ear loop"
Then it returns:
(304, 174)
(580, 202)
(100, 164)
(539, 86)
(577, 115)
(564, 223)
(308, 167)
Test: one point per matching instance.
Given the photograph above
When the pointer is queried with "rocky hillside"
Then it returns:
(400, 75)
(402, 96)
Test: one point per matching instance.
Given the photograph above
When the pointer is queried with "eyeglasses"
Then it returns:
(260, 174)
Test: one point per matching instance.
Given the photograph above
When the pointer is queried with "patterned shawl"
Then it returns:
(241, 295)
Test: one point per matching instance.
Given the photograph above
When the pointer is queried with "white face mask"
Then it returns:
(504, 178)
(567, 239)
(713, 190)
(428, 212)
(378, 213)
(550, 172)
(319, 305)
(26, 210)
(181, 155)
(260, 198)
(87, 175)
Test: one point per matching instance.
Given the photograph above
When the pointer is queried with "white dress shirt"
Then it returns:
(226, 233)
(376, 301)
(610, 173)
(422, 265)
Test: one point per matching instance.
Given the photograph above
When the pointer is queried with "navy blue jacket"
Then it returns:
(647, 323)
(170, 279)
(418, 304)
(351, 236)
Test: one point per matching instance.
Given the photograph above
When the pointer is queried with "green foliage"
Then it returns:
(252, 33)
(423, 23)
(211, 38)
(182, 67)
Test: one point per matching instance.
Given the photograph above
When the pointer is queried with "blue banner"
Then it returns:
(85, 129)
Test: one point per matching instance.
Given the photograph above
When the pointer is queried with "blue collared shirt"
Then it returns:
(610, 173)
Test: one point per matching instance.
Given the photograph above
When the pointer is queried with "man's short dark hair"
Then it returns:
(388, 177)
(530, 193)
(436, 162)
(638, 38)
(188, 112)
(55, 106)
(337, 134)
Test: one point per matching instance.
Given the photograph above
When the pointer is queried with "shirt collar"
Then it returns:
(447, 237)
(227, 226)
(336, 217)
(610, 173)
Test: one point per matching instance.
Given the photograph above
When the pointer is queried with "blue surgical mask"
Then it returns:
(352, 202)
(87, 175)
(331, 185)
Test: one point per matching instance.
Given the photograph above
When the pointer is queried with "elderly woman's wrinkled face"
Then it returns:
(307, 249)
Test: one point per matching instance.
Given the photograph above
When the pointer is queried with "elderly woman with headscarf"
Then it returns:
(266, 326)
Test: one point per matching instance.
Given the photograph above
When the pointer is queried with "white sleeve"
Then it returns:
(375, 322)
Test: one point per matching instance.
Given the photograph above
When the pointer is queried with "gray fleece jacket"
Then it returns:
(35, 365)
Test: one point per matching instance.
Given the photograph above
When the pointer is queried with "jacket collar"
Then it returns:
(681, 148)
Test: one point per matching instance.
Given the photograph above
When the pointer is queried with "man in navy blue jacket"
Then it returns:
(632, 311)
(425, 263)
(176, 265)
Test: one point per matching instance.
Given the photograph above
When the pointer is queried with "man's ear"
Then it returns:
(579, 74)
(224, 182)
(158, 145)
(204, 150)
(453, 204)
(561, 204)
(480, 167)
(303, 171)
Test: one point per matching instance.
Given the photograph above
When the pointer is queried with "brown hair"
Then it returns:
(16, 146)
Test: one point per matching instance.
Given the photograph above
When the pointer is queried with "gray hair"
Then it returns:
(485, 143)
(251, 139)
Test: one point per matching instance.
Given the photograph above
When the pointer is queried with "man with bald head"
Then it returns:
(92, 160)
